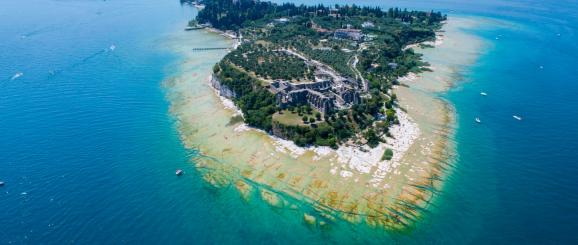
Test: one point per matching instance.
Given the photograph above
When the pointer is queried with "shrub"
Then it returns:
(387, 154)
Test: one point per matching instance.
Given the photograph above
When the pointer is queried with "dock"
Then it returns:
(209, 48)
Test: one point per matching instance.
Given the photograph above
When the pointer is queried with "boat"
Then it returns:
(517, 117)
(112, 47)
(478, 120)
(179, 172)
(16, 76)
(483, 94)
(1, 183)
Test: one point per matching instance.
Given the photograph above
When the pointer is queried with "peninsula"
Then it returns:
(323, 111)
(317, 75)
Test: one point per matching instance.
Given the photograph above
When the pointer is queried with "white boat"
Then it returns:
(1, 183)
(16, 76)
(517, 117)
(112, 47)
(478, 120)
(179, 172)
(483, 94)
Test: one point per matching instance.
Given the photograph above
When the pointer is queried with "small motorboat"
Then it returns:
(517, 117)
(1, 183)
(483, 94)
(179, 172)
(16, 76)
(478, 120)
(112, 47)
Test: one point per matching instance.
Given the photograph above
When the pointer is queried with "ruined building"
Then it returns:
(323, 95)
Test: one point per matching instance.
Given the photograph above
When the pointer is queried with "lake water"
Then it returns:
(88, 147)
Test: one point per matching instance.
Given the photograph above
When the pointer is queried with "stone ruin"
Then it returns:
(323, 95)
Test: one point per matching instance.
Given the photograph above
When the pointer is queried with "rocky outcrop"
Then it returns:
(223, 90)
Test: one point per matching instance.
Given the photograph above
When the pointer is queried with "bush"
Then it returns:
(387, 155)
(372, 138)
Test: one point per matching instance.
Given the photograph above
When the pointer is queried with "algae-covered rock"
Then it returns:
(309, 219)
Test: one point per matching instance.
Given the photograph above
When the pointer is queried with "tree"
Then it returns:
(318, 116)
(390, 113)
(305, 119)
(387, 154)
(372, 138)
(311, 120)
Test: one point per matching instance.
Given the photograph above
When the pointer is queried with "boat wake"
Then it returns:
(55, 72)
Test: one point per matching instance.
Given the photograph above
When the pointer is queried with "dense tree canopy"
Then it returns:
(232, 15)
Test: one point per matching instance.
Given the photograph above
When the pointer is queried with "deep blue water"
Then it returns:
(88, 148)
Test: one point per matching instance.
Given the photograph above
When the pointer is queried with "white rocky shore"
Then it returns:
(350, 160)
(365, 160)
(408, 78)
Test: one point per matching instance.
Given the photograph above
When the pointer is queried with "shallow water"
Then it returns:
(88, 146)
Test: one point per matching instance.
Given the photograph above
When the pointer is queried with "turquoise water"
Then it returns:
(88, 148)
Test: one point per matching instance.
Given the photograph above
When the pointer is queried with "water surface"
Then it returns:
(88, 147)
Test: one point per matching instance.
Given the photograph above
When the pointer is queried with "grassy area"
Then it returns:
(294, 118)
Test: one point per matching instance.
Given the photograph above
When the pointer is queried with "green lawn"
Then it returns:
(287, 117)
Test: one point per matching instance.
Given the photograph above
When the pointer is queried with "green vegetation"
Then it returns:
(257, 104)
(232, 15)
(269, 64)
(372, 138)
(379, 58)
(301, 115)
(387, 154)
(320, 134)
(335, 58)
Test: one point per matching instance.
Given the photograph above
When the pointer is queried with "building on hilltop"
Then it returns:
(352, 34)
